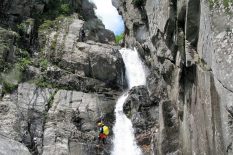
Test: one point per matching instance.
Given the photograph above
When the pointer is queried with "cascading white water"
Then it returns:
(124, 141)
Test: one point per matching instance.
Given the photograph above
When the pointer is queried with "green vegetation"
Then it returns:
(41, 82)
(46, 25)
(23, 53)
(51, 99)
(226, 3)
(13, 74)
(7, 41)
(54, 9)
(54, 12)
(119, 38)
(12, 67)
(138, 3)
(211, 3)
(23, 64)
(50, 103)
(65, 9)
(8, 87)
(4, 49)
(23, 27)
(54, 42)
(10, 80)
(43, 64)
(57, 8)
(52, 24)
(23, 60)
(7, 36)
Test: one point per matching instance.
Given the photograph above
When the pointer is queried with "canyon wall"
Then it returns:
(55, 84)
(187, 46)
(61, 73)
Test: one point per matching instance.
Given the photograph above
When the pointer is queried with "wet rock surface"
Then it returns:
(143, 114)
(138, 106)
(188, 52)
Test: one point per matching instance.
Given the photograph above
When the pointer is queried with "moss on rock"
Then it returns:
(8, 40)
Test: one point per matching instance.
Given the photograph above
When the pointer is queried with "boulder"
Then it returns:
(9, 146)
(143, 114)
(60, 78)
(91, 59)
(96, 31)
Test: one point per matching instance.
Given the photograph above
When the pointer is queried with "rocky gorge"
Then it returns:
(55, 84)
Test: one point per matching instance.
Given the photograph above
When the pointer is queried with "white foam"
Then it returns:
(124, 142)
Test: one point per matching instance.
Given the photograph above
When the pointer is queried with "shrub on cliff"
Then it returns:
(23, 64)
(119, 38)
(8, 87)
(46, 25)
(24, 26)
(43, 63)
(65, 9)
(225, 3)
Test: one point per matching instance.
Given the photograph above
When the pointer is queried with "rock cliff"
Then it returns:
(61, 71)
(187, 46)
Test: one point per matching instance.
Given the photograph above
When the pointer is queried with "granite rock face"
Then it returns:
(188, 49)
(90, 60)
(22, 115)
(17, 10)
(48, 121)
(71, 122)
(60, 73)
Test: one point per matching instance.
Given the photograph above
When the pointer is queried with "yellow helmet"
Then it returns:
(100, 124)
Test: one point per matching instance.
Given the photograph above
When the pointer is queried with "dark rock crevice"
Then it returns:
(45, 114)
(192, 22)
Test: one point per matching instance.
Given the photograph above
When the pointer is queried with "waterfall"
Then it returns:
(124, 142)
